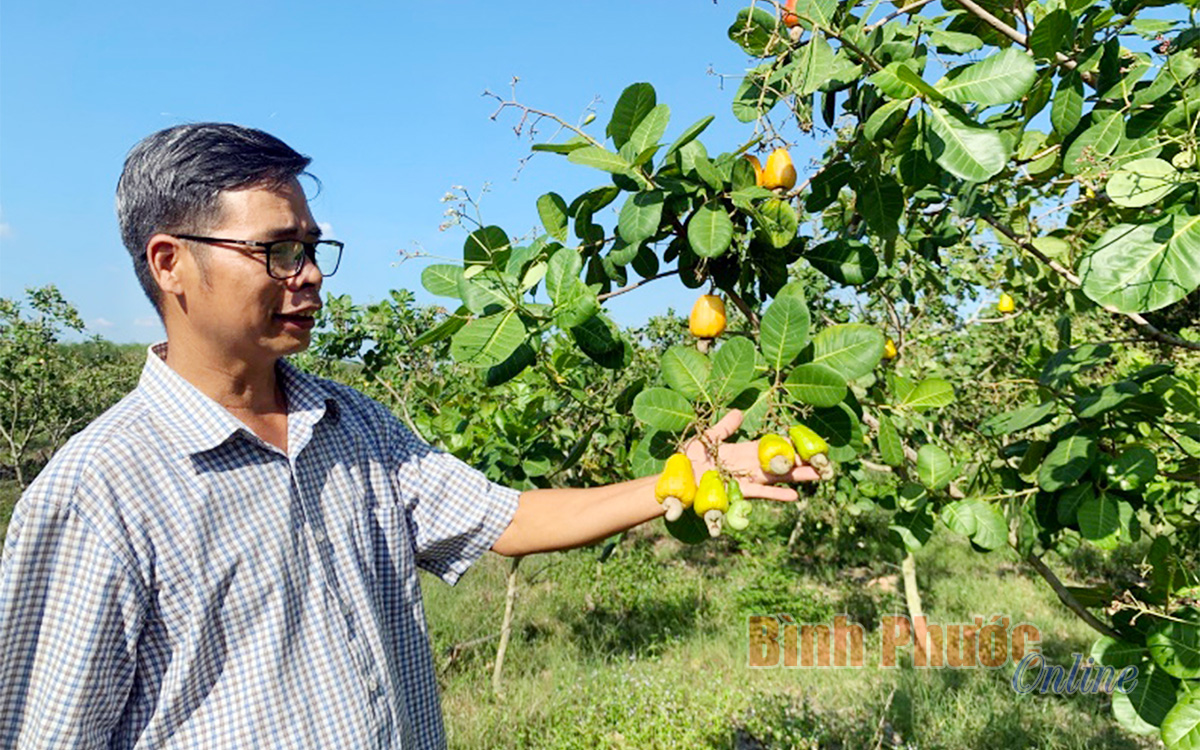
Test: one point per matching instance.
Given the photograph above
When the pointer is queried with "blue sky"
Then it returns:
(386, 98)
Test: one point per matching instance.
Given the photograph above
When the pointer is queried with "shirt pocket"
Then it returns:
(394, 564)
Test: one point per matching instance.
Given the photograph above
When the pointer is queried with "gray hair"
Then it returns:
(173, 179)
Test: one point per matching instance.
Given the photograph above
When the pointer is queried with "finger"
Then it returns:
(726, 427)
(803, 473)
(768, 492)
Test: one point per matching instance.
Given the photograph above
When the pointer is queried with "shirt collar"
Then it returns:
(194, 422)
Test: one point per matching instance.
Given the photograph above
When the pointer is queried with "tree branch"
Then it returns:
(980, 12)
(1146, 326)
(635, 285)
(1068, 599)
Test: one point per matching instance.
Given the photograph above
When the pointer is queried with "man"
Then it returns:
(227, 557)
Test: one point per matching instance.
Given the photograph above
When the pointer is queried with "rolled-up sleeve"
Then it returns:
(455, 513)
(70, 614)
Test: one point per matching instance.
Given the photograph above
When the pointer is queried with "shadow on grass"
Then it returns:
(640, 629)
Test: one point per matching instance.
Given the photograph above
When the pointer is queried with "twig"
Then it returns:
(1068, 599)
(1146, 326)
(635, 285)
(1008, 31)
(894, 14)
(741, 305)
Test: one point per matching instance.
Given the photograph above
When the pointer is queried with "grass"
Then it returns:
(649, 650)
(9, 492)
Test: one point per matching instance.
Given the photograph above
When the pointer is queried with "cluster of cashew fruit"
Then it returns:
(719, 501)
(777, 454)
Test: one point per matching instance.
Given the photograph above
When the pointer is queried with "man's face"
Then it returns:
(229, 299)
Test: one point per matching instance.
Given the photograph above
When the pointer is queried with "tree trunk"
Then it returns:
(506, 626)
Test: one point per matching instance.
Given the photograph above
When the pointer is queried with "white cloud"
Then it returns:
(100, 323)
(326, 229)
(145, 322)
(5, 229)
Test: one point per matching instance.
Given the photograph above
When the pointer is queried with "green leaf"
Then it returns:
(1181, 726)
(732, 369)
(1144, 708)
(710, 231)
(783, 331)
(602, 159)
(913, 528)
(649, 130)
(663, 409)
(1100, 517)
(999, 79)
(575, 305)
(1175, 644)
(563, 272)
(487, 246)
(1051, 34)
(707, 172)
(1099, 140)
(1141, 182)
(1067, 508)
(813, 68)
(483, 293)
(954, 41)
(964, 148)
(851, 349)
(991, 530)
(1134, 467)
(899, 81)
(959, 516)
(880, 200)
(552, 210)
(523, 356)
(448, 327)
(880, 124)
(778, 222)
(1067, 462)
(693, 131)
(686, 370)
(816, 385)
(1067, 363)
(845, 261)
(1018, 419)
(756, 94)
(1104, 399)
(931, 392)
(820, 12)
(600, 339)
(575, 142)
(1143, 267)
(651, 453)
(758, 32)
(640, 216)
(1067, 109)
(890, 446)
(441, 279)
(635, 102)
(935, 469)
(488, 341)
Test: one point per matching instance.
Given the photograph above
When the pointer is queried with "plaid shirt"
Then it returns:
(171, 580)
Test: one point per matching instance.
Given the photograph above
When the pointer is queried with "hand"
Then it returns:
(741, 460)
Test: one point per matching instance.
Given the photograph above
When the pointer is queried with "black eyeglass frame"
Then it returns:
(310, 250)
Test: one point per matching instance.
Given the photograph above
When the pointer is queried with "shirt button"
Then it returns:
(372, 684)
(319, 536)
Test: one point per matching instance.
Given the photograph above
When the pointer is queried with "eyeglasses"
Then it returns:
(285, 258)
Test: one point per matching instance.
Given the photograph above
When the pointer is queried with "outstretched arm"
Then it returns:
(554, 519)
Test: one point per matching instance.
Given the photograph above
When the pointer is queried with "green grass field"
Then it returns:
(650, 649)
